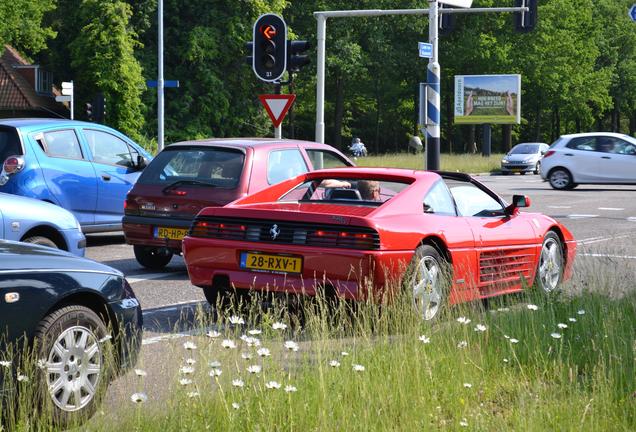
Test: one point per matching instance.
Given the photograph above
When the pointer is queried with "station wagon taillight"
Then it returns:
(13, 164)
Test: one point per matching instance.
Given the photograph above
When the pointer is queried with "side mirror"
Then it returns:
(142, 162)
(518, 201)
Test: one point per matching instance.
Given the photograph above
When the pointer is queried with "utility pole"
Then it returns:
(160, 79)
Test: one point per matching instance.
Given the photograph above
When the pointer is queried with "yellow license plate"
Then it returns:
(273, 263)
(170, 233)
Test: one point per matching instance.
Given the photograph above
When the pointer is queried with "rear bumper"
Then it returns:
(352, 273)
(139, 230)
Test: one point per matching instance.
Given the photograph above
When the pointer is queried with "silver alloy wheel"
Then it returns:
(427, 290)
(550, 264)
(559, 179)
(73, 368)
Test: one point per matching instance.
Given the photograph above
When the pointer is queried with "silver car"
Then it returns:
(524, 158)
(590, 158)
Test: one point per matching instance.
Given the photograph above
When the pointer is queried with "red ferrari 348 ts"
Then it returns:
(356, 231)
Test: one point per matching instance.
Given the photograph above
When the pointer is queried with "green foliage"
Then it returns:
(21, 24)
(104, 53)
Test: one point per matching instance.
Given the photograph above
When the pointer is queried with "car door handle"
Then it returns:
(106, 177)
(568, 154)
(605, 157)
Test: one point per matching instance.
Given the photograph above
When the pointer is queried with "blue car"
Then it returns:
(32, 221)
(86, 168)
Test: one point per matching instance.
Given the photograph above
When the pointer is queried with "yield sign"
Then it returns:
(277, 106)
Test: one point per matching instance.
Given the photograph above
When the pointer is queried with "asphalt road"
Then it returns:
(603, 220)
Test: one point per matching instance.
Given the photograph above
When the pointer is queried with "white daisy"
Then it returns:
(190, 361)
(468, 385)
(514, 341)
(42, 364)
(255, 332)
(279, 326)
(186, 370)
(506, 336)
(213, 334)
(236, 320)
(23, 378)
(272, 385)
(562, 326)
(254, 369)
(291, 346)
(334, 363)
(238, 383)
(193, 394)
(139, 397)
(480, 328)
(462, 344)
(556, 335)
(5, 363)
(263, 352)
(228, 343)
(214, 364)
(358, 368)
(424, 339)
(463, 320)
(189, 346)
(581, 312)
(572, 319)
(290, 389)
(506, 360)
(246, 356)
(532, 307)
(235, 405)
(140, 372)
(344, 353)
(216, 372)
(185, 381)
(463, 422)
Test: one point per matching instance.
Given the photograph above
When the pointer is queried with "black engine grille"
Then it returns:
(277, 232)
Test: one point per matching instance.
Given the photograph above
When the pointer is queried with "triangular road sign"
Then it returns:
(277, 106)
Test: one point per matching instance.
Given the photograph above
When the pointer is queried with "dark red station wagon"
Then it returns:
(188, 176)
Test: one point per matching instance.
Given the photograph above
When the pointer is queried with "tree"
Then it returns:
(21, 24)
(103, 57)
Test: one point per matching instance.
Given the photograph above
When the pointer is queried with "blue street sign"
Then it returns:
(632, 12)
(425, 49)
(166, 83)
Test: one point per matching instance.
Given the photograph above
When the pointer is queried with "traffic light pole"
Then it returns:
(160, 82)
(433, 71)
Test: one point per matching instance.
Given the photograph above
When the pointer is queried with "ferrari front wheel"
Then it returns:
(550, 268)
(427, 283)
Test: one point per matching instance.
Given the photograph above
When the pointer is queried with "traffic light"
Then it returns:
(295, 57)
(526, 21)
(89, 111)
(99, 104)
(269, 56)
(446, 23)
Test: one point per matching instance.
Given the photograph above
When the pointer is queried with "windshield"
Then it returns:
(525, 149)
(346, 191)
(219, 167)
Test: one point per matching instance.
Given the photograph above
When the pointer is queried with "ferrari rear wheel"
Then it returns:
(427, 283)
(550, 269)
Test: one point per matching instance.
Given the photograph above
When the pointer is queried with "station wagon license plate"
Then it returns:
(271, 263)
(170, 233)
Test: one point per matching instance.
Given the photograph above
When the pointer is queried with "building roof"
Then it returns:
(16, 94)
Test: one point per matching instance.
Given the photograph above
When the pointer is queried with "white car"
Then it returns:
(590, 158)
(524, 158)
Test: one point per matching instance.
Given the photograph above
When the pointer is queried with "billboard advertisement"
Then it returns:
(494, 99)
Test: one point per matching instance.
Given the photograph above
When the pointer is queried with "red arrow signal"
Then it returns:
(269, 31)
(277, 106)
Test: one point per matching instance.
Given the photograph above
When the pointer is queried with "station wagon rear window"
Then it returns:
(214, 166)
(9, 143)
(368, 191)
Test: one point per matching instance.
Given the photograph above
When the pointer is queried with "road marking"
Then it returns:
(611, 208)
(632, 218)
(592, 240)
(145, 277)
(157, 339)
(172, 306)
(596, 255)
(581, 216)
(560, 207)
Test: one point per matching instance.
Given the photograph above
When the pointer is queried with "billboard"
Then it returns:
(481, 99)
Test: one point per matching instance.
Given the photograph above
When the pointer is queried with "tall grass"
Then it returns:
(469, 163)
(524, 362)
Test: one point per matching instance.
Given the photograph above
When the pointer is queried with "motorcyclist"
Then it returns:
(358, 148)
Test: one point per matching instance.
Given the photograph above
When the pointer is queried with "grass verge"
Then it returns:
(468, 163)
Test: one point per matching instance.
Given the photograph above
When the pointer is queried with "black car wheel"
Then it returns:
(561, 179)
(152, 257)
(74, 355)
(537, 168)
(427, 283)
(40, 240)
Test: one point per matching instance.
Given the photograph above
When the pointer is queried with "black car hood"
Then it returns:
(24, 256)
